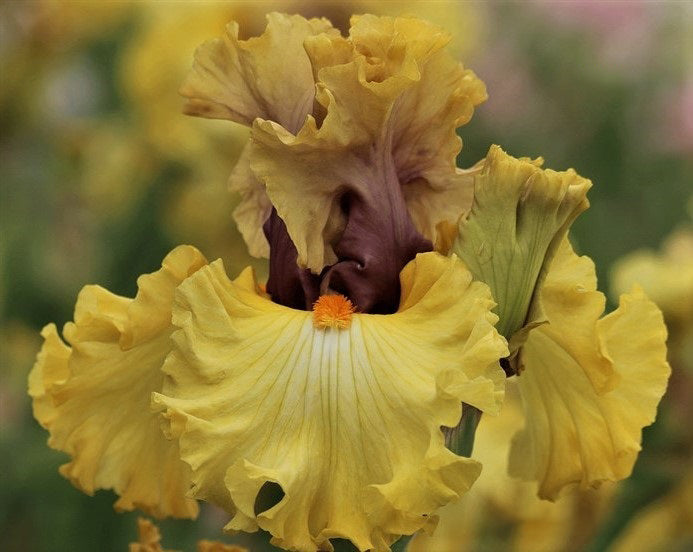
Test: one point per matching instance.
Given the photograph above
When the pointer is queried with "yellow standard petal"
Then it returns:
(270, 77)
(576, 432)
(383, 133)
(344, 418)
(520, 215)
(94, 395)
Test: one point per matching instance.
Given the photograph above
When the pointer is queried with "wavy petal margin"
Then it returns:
(333, 115)
(268, 76)
(520, 215)
(346, 422)
(93, 396)
(149, 540)
(389, 101)
(577, 433)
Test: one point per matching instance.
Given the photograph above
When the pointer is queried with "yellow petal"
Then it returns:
(389, 101)
(94, 397)
(268, 76)
(149, 540)
(346, 421)
(588, 385)
(51, 369)
(520, 215)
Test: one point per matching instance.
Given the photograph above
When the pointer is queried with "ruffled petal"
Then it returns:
(389, 100)
(215, 546)
(94, 397)
(347, 422)
(268, 76)
(576, 432)
(149, 538)
(520, 215)
(51, 369)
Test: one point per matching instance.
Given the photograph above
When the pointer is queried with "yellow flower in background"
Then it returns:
(588, 384)
(666, 276)
(153, 65)
(663, 525)
(149, 540)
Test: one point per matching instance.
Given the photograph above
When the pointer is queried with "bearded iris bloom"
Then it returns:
(333, 382)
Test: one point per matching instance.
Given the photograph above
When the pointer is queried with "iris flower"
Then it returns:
(332, 383)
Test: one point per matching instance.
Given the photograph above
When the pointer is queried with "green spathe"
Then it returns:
(520, 215)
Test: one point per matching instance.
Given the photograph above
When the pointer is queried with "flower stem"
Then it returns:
(401, 544)
(460, 439)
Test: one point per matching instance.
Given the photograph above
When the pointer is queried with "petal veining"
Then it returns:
(576, 432)
(345, 420)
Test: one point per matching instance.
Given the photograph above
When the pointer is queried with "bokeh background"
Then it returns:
(101, 175)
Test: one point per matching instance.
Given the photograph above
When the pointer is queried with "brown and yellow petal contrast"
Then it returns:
(93, 394)
(579, 431)
(389, 98)
(267, 77)
(344, 418)
(367, 125)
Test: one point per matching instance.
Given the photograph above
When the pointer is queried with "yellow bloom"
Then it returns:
(666, 276)
(152, 66)
(341, 409)
(346, 421)
(345, 417)
(365, 118)
(588, 385)
(93, 396)
(663, 525)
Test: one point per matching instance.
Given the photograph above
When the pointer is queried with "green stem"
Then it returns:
(460, 439)
(401, 544)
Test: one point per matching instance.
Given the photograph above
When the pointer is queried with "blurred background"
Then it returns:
(101, 175)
